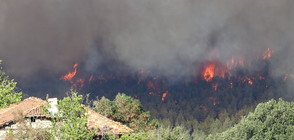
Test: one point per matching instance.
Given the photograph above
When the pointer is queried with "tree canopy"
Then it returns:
(71, 120)
(8, 93)
(126, 110)
(270, 120)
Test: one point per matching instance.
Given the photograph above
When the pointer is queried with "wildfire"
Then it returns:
(208, 72)
(267, 54)
(220, 75)
(70, 75)
(213, 69)
(75, 82)
(164, 96)
(250, 82)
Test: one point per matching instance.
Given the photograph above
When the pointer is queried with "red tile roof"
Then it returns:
(104, 124)
(32, 107)
(17, 111)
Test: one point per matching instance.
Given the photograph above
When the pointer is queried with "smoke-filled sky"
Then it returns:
(165, 36)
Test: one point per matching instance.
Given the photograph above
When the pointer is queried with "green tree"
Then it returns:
(126, 110)
(270, 120)
(105, 107)
(71, 121)
(8, 93)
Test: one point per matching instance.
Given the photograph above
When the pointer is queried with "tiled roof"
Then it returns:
(17, 111)
(32, 107)
(96, 120)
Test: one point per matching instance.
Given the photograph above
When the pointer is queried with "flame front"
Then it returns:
(75, 82)
(70, 75)
(216, 74)
(213, 69)
(208, 72)
(164, 96)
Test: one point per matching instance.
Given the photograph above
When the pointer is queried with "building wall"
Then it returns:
(19, 126)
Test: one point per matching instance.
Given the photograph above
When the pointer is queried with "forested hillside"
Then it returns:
(273, 119)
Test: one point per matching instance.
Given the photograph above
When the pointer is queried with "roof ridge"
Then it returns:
(31, 107)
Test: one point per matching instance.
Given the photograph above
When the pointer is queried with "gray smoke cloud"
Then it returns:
(164, 36)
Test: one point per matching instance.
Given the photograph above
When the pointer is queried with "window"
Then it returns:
(33, 119)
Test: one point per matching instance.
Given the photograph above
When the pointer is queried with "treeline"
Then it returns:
(174, 119)
(199, 108)
(198, 100)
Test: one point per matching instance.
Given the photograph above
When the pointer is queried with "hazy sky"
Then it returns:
(164, 36)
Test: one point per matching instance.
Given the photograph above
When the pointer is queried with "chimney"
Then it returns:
(53, 106)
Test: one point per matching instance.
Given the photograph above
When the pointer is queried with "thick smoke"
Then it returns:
(168, 37)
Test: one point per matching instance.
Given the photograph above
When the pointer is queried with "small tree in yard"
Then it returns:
(71, 121)
(126, 110)
(8, 94)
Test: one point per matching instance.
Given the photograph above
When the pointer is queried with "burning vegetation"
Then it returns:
(184, 60)
(216, 86)
(214, 77)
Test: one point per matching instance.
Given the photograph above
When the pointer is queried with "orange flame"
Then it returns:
(250, 82)
(208, 72)
(70, 75)
(164, 96)
(213, 69)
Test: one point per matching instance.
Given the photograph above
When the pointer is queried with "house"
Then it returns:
(30, 111)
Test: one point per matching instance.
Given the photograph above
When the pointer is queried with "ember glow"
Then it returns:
(164, 96)
(250, 82)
